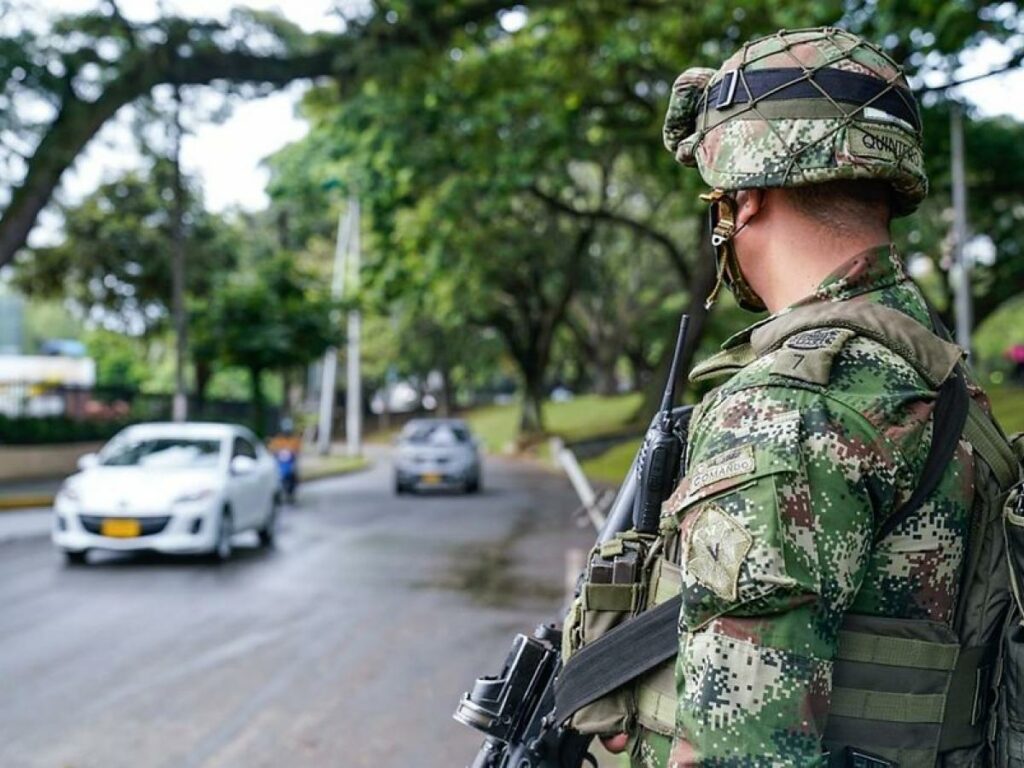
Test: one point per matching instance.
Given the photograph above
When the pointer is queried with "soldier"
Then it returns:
(811, 143)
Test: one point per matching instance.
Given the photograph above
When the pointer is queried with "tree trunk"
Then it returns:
(204, 372)
(444, 403)
(604, 374)
(178, 311)
(259, 411)
(531, 418)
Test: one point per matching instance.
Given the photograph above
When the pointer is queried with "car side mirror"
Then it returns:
(88, 461)
(242, 465)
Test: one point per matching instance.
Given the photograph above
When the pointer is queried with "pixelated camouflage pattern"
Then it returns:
(681, 117)
(754, 672)
(797, 142)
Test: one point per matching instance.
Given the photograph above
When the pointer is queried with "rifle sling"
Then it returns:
(611, 661)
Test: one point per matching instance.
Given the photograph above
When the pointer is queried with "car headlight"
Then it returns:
(193, 496)
(67, 492)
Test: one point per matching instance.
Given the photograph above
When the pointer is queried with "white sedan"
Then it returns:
(175, 488)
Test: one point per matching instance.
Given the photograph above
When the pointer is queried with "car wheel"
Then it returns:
(73, 557)
(266, 533)
(473, 486)
(222, 547)
(400, 488)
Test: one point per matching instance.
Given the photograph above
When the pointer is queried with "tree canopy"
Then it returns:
(507, 156)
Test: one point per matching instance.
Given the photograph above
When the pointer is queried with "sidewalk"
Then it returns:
(28, 494)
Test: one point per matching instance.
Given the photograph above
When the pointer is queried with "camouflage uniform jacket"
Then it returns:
(787, 480)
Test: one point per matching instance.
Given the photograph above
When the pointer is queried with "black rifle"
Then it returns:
(516, 709)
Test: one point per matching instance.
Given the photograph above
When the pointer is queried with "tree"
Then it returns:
(114, 262)
(272, 315)
(89, 66)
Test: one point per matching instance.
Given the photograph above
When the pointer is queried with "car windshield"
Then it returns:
(162, 453)
(436, 434)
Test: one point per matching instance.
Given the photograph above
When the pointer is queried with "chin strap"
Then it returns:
(723, 229)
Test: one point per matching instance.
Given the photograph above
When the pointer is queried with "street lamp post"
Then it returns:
(961, 262)
(346, 257)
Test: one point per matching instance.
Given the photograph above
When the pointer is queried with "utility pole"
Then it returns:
(179, 406)
(354, 384)
(961, 262)
(329, 381)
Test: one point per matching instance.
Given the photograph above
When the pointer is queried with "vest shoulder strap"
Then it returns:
(992, 445)
(932, 357)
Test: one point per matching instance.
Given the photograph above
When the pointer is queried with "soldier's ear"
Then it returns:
(749, 203)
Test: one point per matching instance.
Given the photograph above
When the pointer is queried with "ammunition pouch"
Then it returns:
(625, 576)
(906, 691)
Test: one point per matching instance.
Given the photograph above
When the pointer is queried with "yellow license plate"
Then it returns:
(431, 478)
(120, 528)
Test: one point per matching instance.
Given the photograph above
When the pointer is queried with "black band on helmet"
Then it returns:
(794, 83)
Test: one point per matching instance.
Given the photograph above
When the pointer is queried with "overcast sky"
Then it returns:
(227, 156)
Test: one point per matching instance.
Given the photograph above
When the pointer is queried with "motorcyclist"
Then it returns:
(286, 446)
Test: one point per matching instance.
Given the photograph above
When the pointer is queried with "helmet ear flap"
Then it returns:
(680, 128)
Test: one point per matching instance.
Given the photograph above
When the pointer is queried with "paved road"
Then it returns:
(347, 645)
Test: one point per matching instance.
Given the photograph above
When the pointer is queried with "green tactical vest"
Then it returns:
(911, 693)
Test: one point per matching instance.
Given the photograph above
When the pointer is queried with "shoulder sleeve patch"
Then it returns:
(715, 551)
(808, 356)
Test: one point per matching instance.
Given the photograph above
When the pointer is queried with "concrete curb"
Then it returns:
(25, 501)
(314, 476)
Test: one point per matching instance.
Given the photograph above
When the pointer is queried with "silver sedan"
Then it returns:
(437, 453)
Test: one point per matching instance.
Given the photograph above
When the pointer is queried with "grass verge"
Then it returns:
(329, 466)
(1008, 406)
(582, 417)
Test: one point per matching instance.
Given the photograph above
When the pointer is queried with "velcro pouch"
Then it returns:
(615, 589)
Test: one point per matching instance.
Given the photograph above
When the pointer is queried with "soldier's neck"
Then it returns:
(791, 264)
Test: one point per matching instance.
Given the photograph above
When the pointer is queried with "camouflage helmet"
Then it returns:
(800, 107)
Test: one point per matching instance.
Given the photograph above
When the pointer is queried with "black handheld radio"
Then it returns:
(658, 462)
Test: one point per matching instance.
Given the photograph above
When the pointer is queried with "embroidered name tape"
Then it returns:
(723, 466)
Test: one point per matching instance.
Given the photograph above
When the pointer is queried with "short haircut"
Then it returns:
(844, 205)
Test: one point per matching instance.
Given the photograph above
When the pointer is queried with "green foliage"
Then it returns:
(271, 315)
(994, 163)
(48, 319)
(515, 181)
(120, 360)
(515, 188)
(114, 261)
(1008, 406)
(612, 465)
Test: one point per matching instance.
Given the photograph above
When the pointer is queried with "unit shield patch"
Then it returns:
(716, 550)
(816, 338)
